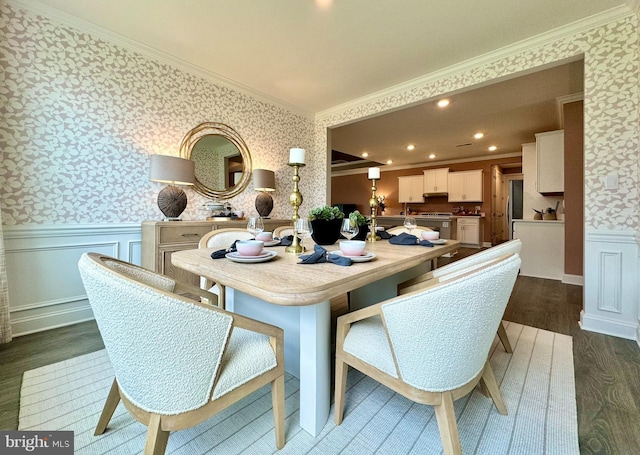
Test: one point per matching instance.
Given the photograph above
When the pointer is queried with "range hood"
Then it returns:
(435, 193)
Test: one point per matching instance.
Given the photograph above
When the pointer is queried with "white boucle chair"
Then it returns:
(431, 346)
(475, 260)
(218, 239)
(177, 362)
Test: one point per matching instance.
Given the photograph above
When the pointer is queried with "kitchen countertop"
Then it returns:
(538, 221)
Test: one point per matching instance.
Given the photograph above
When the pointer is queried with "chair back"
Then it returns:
(511, 247)
(223, 238)
(165, 350)
(441, 335)
(417, 231)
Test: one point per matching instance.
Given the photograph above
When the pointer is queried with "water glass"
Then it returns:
(255, 226)
(349, 229)
(410, 223)
(303, 229)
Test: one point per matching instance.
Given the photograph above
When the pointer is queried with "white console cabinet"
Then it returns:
(469, 231)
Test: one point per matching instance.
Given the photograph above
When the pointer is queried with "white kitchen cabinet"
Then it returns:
(436, 181)
(469, 231)
(410, 188)
(465, 186)
(550, 154)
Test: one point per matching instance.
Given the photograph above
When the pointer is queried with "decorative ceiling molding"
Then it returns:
(151, 53)
(387, 168)
(586, 24)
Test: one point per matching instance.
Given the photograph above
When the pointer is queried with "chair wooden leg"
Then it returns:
(341, 385)
(157, 438)
(221, 297)
(109, 408)
(277, 400)
(446, 418)
(504, 339)
(490, 383)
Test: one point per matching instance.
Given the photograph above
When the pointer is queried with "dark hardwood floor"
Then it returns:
(607, 369)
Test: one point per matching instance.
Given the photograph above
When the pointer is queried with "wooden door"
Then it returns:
(499, 232)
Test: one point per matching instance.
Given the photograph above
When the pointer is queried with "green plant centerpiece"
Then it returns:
(357, 219)
(326, 222)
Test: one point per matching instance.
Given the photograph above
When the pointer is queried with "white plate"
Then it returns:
(364, 258)
(439, 241)
(266, 256)
(272, 243)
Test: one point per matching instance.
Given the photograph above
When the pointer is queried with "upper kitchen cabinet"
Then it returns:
(410, 188)
(465, 186)
(550, 154)
(436, 181)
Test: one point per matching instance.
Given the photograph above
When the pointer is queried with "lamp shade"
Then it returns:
(172, 170)
(264, 180)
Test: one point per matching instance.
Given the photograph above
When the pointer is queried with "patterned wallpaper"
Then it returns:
(611, 108)
(80, 116)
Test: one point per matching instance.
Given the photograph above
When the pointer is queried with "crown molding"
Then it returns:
(537, 41)
(154, 54)
(429, 164)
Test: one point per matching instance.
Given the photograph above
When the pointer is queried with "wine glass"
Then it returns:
(410, 223)
(255, 226)
(349, 229)
(304, 229)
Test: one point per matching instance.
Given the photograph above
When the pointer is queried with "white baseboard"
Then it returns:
(606, 326)
(578, 280)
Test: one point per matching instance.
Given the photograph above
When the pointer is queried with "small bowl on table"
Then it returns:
(249, 247)
(265, 236)
(352, 247)
(430, 235)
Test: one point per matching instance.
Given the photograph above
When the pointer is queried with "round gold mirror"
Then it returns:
(222, 160)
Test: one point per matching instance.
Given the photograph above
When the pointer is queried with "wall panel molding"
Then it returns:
(611, 284)
(45, 289)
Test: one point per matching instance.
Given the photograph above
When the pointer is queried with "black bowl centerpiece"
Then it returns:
(326, 222)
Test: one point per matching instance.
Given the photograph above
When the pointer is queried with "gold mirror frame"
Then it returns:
(218, 129)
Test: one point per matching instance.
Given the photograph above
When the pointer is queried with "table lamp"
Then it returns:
(265, 182)
(175, 171)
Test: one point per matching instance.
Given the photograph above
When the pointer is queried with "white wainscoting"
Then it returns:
(611, 283)
(45, 290)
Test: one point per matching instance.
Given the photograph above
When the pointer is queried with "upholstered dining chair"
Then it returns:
(477, 259)
(218, 239)
(430, 346)
(177, 362)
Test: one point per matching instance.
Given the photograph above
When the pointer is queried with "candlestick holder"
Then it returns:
(295, 199)
(373, 203)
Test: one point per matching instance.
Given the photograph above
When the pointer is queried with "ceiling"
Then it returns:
(317, 54)
(314, 55)
(508, 113)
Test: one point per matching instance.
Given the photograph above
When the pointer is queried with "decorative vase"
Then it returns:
(326, 232)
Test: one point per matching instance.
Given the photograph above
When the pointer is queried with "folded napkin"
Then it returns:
(384, 235)
(222, 253)
(320, 255)
(408, 239)
(288, 240)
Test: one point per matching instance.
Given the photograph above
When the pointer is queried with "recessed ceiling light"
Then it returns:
(410, 147)
(365, 154)
(478, 135)
(389, 162)
(493, 148)
(432, 156)
(443, 103)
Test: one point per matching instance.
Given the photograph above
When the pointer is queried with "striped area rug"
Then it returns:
(537, 383)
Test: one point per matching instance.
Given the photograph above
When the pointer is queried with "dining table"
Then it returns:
(296, 297)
